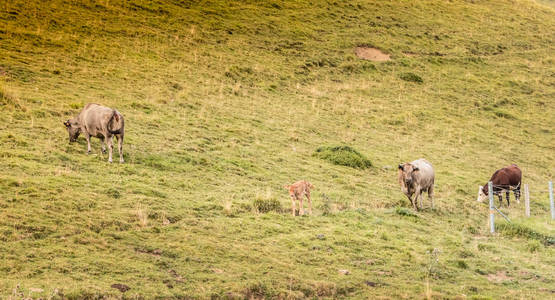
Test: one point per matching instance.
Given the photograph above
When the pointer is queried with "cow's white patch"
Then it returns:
(481, 195)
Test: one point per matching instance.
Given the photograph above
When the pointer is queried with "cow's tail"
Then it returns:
(119, 121)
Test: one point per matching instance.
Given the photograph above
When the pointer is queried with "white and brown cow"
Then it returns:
(415, 178)
(101, 122)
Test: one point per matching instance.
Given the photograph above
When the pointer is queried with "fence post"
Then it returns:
(527, 200)
(491, 217)
(551, 200)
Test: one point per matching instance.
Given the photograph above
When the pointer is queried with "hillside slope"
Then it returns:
(226, 103)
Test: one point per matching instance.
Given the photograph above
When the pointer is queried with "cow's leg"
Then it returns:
(421, 198)
(301, 208)
(500, 195)
(309, 203)
(119, 137)
(417, 196)
(109, 142)
(88, 137)
(410, 199)
(293, 205)
(507, 194)
(517, 194)
(431, 195)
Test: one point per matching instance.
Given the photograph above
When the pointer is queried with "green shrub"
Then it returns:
(405, 212)
(113, 193)
(411, 77)
(534, 246)
(518, 230)
(343, 156)
(461, 264)
(267, 205)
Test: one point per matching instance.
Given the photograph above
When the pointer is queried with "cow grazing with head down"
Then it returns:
(101, 122)
(415, 178)
(503, 180)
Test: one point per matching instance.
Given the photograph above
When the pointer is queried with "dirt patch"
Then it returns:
(177, 277)
(121, 287)
(372, 54)
(498, 277)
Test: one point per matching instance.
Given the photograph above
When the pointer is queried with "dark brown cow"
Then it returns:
(505, 179)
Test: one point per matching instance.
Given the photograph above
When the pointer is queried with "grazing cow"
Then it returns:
(503, 180)
(297, 191)
(101, 122)
(415, 178)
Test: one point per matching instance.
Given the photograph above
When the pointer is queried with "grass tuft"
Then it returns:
(411, 77)
(403, 211)
(267, 205)
(523, 231)
(343, 156)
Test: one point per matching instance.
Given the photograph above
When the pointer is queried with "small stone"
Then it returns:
(321, 237)
(344, 272)
(370, 283)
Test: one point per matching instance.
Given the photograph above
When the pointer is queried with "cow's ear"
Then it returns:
(415, 169)
(401, 167)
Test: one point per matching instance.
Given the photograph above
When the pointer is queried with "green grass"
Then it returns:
(343, 156)
(225, 102)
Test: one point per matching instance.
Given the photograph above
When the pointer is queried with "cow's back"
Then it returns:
(510, 176)
(426, 173)
(94, 118)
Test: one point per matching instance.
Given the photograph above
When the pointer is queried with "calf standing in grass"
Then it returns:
(297, 191)
(101, 122)
(415, 178)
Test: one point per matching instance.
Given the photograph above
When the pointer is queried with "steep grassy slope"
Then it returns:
(227, 102)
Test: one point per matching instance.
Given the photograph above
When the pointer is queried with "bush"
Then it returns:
(405, 212)
(343, 156)
(411, 77)
(525, 232)
(267, 205)
(534, 246)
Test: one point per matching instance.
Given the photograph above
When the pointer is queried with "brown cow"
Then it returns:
(101, 122)
(503, 180)
(415, 178)
(297, 191)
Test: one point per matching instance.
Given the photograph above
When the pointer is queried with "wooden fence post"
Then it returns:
(527, 200)
(551, 200)
(491, 217)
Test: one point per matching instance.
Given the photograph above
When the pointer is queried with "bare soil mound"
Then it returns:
(372, 54)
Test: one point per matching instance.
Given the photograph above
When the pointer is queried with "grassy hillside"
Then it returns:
(225, 102)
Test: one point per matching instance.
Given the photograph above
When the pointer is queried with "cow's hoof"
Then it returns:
(88, 152)
(121, 161)
(110, 161)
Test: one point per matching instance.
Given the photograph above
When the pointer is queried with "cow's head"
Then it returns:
(406, 173)
(73, 129)
(482, 193)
